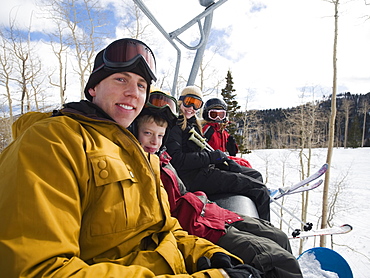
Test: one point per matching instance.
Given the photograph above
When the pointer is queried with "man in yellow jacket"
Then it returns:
(80, 198)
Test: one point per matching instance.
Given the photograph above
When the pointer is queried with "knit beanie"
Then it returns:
(100, 72)
(193, 90)
(96, 76)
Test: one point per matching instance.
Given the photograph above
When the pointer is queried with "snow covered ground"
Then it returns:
(350, 173)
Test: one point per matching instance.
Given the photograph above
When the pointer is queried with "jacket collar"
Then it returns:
(216, 126)
(85, 108)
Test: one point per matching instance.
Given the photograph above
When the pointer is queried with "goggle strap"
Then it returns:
(133, 51)
(190, 95)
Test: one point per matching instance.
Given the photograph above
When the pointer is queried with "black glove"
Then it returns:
(221, 260)
(230, 165)
(203, 263)
(218, 260)
(231, 146)
(217, 156)
(234, 166)
(243, 271)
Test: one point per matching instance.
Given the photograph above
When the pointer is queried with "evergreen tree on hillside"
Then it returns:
(228, 94)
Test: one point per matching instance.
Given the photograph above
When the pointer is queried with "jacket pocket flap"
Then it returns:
(108, 169)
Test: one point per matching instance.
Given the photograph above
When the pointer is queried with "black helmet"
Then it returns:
(160, 105)
(214, 104)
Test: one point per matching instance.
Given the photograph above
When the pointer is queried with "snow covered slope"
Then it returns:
(350, 174)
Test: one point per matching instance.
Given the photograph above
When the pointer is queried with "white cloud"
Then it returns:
(273, 48)
(284, 46)
(25, 13)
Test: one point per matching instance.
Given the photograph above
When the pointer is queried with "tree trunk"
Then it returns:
(331, 127)
(364, 110)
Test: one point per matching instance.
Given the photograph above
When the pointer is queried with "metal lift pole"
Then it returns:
(200, 51)
(145, 10)
(200, 47)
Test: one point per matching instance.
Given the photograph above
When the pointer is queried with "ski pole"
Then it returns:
(306, 226)
(199, 140)
(282, 219)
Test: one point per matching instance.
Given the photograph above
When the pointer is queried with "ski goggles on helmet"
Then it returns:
(192, 100)
(217, 115)
(161, 100)
(124, 53)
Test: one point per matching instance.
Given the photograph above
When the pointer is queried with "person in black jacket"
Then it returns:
(257, 242)
(210, 171)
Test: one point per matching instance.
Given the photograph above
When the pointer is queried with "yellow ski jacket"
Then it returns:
(80, 198)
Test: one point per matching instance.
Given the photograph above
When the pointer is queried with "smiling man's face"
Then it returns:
(121, 95)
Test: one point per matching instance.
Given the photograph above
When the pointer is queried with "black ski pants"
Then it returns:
(262, 246)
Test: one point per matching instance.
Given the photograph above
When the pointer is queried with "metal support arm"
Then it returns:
(200, 47)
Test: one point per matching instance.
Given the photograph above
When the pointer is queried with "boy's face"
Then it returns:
(150, 136)
(121, 95)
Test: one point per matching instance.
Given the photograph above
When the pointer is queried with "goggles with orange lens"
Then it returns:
(217, 115)
(161, 100)
(126, 52)
(192, 100)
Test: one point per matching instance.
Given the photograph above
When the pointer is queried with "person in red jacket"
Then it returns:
(256, 241)
(215, 130)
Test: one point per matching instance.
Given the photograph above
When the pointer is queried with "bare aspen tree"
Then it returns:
(26, 65)
(5, 131)
(289, 129)
(84, 43)
(347, 104)
(285, 158)
(248, 118)
(245, 127)
(308, 121)
(324, 219)
(81, 21)
(20, 54)
(5, 80)
(334, 201)
(283, 134)
(338, 137)
(206, 71)
(303, 122)
(36, 84)
(318, 137)
(161, 81)
(364, 109)
(135, 24)
(6, 73)
(59, 47)
(278, 130)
